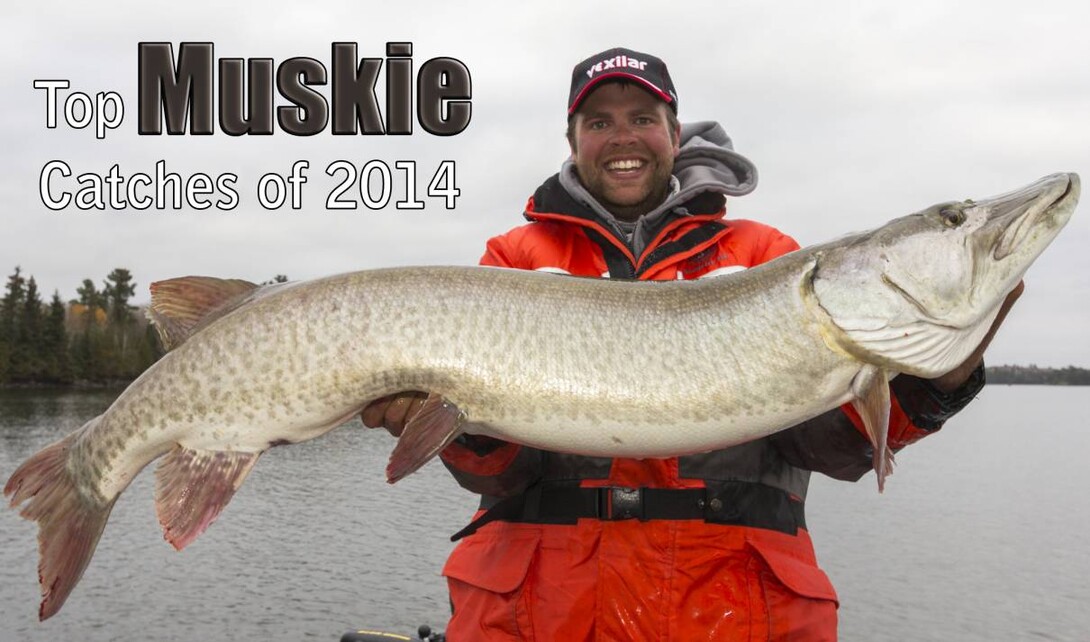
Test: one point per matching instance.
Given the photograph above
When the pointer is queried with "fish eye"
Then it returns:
(952, 217)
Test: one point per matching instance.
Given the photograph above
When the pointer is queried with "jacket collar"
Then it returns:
(551, 202)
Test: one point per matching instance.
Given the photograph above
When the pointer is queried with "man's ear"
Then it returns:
(677, 139)
(571, 136)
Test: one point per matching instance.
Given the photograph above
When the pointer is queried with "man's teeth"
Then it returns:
(625, 164)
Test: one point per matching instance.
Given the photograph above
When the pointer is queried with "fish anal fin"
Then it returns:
(69, 523)
(180, 306)
(870, 391)
(193, 486)
(434, 426)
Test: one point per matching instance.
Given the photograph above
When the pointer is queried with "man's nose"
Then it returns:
(623, 134)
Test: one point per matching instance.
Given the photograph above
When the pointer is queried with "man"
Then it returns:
(720, 550)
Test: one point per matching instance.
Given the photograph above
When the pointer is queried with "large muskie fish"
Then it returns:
(552, 362)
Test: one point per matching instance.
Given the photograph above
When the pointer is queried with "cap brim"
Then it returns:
(646, 84)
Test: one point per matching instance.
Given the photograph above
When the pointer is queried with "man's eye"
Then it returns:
(643, 120)
(598, 124)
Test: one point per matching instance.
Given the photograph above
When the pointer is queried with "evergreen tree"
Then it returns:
(58, 368)
(116, 291)
(89, 296)
(10, 309)
(13, 297)
(28, 357)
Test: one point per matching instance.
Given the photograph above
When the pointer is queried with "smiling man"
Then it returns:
(712, 546)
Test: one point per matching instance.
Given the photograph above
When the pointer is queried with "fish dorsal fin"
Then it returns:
(870, 392)
(181, 306)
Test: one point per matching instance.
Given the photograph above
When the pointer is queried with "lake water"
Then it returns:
(980, 535)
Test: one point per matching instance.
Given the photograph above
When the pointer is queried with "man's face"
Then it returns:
(624, 150)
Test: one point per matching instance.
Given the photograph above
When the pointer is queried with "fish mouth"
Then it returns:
(1049, 203)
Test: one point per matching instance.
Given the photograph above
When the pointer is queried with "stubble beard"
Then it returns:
(629, 210)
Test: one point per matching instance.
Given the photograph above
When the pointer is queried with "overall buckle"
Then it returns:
(619, 502)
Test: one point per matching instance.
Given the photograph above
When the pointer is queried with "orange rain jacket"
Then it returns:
(661, 579)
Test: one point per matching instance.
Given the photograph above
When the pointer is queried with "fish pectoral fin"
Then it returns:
(434, 426)
(179, 307)
(193, 486)
(870, 391)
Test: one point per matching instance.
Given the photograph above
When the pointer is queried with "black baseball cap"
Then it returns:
(646, 70)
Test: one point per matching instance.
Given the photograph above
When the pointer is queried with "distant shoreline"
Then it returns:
(1017, 375)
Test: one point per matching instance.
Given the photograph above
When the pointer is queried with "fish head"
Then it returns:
(918, 294)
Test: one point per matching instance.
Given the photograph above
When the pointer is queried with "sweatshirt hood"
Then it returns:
(707, 162)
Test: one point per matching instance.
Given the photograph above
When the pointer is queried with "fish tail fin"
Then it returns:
(434, 426)
(193, 486)
(69, 523)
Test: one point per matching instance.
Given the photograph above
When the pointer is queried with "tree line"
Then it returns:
(98, 337)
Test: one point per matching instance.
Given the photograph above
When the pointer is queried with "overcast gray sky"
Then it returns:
(853, 112)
